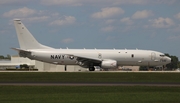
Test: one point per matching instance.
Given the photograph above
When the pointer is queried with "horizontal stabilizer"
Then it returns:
(20, 50)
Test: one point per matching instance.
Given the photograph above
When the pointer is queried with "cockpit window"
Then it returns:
(162, 55)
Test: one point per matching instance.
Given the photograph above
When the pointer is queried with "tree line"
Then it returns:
(8, 57)
(175, 63)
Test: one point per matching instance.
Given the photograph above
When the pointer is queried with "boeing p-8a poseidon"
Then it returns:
(87, 58)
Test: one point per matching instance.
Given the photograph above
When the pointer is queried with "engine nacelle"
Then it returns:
(109, 64)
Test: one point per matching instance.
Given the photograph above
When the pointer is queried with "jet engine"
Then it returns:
(109, 64)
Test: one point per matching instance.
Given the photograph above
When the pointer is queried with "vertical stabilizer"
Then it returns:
(25, 38)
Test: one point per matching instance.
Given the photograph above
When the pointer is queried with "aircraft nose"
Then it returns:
(169, 60)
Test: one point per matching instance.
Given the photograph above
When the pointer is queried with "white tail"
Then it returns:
(25, 38)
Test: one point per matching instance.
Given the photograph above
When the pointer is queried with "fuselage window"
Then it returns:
(132, 55)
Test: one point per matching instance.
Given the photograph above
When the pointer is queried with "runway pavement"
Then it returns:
(92, 84)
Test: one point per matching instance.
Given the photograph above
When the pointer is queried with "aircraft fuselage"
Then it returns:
(123, 57)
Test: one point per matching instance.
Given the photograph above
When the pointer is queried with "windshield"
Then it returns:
(162, 55)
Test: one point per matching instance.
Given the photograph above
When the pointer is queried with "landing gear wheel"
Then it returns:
(91, 69)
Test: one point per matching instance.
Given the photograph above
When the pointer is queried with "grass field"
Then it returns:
(94, 94)
(89, 94)
(88, 77)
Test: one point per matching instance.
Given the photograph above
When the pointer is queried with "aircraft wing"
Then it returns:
(85, 61)
(79, 58)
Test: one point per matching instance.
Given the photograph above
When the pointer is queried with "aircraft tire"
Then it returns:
(91, 69)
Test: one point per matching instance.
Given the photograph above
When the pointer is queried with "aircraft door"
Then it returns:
(153, 56)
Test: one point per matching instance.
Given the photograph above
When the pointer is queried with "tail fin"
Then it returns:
(25, 38)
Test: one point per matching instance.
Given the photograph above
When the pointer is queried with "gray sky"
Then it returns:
(103, 24)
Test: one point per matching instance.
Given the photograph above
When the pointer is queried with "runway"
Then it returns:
(92, 84)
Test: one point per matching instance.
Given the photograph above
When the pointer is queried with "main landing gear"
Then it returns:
(91, 69)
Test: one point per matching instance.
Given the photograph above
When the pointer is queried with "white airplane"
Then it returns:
(87, 58)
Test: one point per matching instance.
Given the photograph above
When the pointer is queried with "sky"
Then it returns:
(100, 24)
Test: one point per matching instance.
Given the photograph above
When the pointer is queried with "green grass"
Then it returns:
(89, 77)
(89, 94)
(94, 94)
